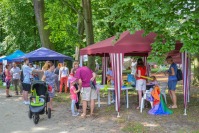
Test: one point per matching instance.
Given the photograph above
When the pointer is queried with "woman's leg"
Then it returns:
(174, 98)
(7, 87)
(61, 85)
(140, 97)
(51, 103)
(65, 84)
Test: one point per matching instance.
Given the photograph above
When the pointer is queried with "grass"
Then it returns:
(134, 127)
(62, 98)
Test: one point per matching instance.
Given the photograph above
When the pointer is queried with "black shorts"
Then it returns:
(26, 87)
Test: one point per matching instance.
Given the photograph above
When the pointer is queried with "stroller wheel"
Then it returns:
(49, 113)
(36, 118)
(30, 114)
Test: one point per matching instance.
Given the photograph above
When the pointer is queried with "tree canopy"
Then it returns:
(172, 20)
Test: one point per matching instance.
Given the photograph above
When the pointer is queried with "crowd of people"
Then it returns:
(76, 80)
(79, 82)
(139, 73)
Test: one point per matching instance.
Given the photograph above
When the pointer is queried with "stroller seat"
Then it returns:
(36, 109)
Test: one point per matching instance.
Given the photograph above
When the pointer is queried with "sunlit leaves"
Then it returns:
(171, 20)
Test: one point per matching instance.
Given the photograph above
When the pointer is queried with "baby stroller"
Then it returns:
(38, 101)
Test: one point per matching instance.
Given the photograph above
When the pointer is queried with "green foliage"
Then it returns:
(19, 26)
(62, 21)
(171, 20)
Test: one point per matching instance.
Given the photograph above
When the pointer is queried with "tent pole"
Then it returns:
(81, 61)
(118, 114)
(185, 111)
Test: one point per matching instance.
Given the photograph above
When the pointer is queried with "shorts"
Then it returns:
(172, 84)
(141, 85)
(26, 87)
(88, 93)
(8, 82)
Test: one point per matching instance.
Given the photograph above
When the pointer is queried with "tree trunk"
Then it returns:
(81, 28)
(39, 8)
(196, 69)
(87, 13)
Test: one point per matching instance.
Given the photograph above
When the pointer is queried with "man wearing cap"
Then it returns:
(172, 80)
(16, 72)
(85, 76)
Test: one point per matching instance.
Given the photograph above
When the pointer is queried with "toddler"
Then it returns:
(152, 83)
(73, 96)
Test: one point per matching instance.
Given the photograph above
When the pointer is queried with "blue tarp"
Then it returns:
(43, 54)
(16, 54)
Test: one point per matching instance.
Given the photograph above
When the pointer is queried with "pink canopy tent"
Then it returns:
(128, 44)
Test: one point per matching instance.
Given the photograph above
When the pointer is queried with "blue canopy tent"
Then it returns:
(16, 54)
(43, 54)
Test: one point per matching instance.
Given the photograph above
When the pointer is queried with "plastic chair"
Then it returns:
(146, 93)
(163, 87)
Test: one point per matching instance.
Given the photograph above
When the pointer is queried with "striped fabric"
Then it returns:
(117, 65)
(186, 78)
(104, 68)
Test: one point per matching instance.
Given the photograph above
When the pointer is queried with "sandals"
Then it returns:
(9, 96)
(83, 115)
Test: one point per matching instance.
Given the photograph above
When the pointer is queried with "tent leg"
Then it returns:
(185, 111)
(118, 114)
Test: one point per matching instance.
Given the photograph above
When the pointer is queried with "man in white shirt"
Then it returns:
(15, 72)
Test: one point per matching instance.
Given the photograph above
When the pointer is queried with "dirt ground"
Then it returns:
(14, 117)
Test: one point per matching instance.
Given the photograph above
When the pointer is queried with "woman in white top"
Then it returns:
(63, 74)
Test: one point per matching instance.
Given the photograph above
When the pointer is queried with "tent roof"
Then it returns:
(127, 43)
(42, 54)
(16, 54)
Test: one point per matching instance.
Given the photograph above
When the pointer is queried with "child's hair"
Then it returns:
(140, 63)
(75, 63)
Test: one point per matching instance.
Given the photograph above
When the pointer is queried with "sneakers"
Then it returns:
(113, 101)
(27, 102)
(76, 114)
(9, 96)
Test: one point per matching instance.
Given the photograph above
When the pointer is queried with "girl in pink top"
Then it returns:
(73, 96)
(8, 80)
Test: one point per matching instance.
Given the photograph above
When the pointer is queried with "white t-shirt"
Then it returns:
(64, 71)
(15, 72)
(133, 68)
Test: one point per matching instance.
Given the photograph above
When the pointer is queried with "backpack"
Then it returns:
(179, 74)
(3, 76)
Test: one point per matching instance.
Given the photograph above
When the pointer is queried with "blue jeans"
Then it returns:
(73, 106)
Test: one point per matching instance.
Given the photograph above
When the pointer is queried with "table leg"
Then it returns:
(127, 99)
(99, 99)
(109, 97)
